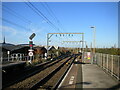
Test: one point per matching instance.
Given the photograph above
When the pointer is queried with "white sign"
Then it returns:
(30, 53)
(45, 54)
(30, 50)
(8, 52)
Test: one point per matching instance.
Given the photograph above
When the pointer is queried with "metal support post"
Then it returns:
(82, 43)
(47, 44)
(112, 65)
(107, 62)
(49, 35)
(101, 60)
(118, 67)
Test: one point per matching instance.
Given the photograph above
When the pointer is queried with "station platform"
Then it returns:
(6, 65)
(88, 76)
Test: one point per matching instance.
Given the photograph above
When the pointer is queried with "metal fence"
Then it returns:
(24, 58)
(110, 63)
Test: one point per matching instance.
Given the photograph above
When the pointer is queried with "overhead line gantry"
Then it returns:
(49, 35)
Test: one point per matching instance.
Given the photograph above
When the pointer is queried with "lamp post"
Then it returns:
(94, 38)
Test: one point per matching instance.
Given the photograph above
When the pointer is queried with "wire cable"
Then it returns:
(43, 16)
(15, 13)
(10, 22)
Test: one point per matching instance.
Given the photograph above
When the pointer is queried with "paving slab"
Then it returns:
(82, 76)
(95, 77)
(70, 79)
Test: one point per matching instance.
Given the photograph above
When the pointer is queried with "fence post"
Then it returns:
(94, 62)
(112, 65)
(101, 60)
(107, 62)
(118, 67)
(97, 58)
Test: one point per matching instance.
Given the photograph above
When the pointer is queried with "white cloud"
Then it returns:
(13, 31)
(8, 29)
(20, 36)
(44, 21)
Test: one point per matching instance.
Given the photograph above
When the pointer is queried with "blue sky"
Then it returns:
(71, 17)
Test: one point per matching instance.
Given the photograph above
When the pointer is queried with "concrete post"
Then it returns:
(102, 60)
(112, 65)
(118, 67)
(107, 62)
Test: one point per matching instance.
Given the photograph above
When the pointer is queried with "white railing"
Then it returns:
(24, 58)
(110, 63)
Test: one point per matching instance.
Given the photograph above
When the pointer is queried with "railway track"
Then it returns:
(47, 78)
(27, 83)
(56, 78)
(16, 77)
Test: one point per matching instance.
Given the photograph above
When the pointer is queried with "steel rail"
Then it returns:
(47, 77)
(36, 69)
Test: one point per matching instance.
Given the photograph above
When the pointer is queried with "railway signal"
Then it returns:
(31, 44)
(32, 36)
(30, 54)
(31, 47)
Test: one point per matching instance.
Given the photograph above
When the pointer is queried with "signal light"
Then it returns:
(31, 43)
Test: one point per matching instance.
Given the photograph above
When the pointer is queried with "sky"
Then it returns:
(19, 21)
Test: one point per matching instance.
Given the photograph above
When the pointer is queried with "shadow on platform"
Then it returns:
(116, 87)
(81, 83)
(80, 62)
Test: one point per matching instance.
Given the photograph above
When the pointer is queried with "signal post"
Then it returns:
(31, 47)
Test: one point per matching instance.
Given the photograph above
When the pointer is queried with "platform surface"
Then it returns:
(9, 64)
(95, 77)
(88, 76)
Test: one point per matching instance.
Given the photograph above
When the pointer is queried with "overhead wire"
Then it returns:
(10, 22)
(61, 24)
(15, 13)
(22, 18)
(43, 16)
(17, 17)
(53, 15)
(49, 13)
(40, 13)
